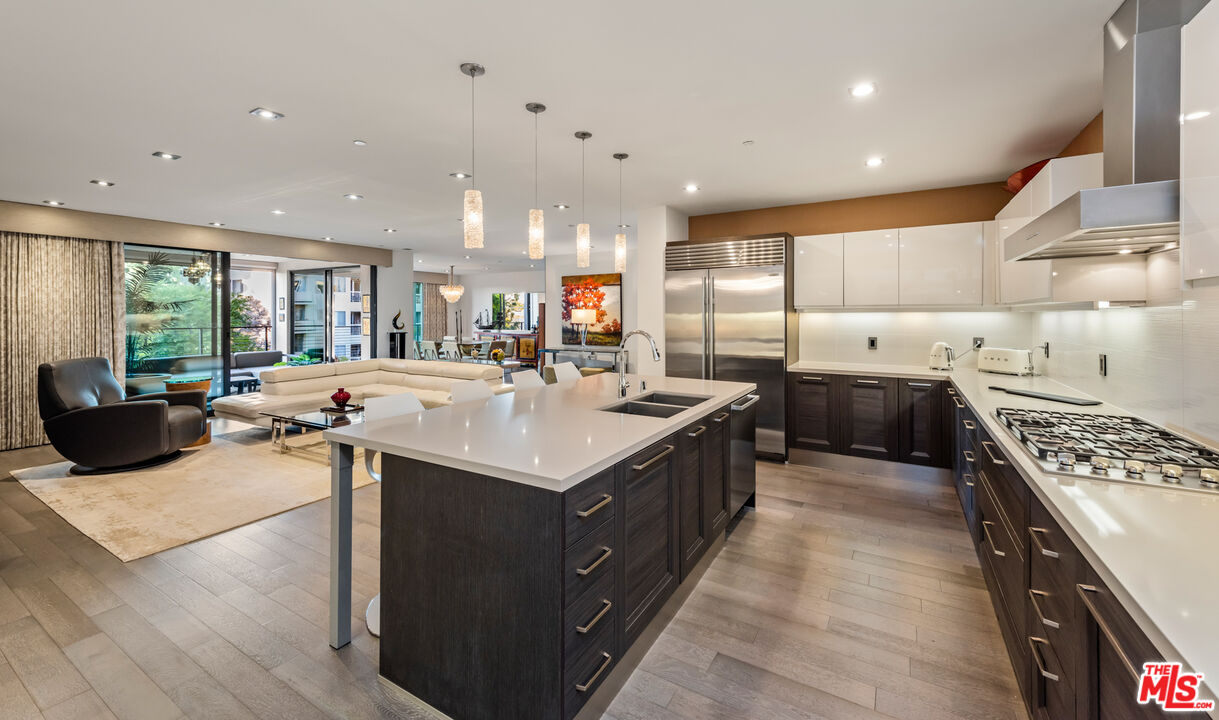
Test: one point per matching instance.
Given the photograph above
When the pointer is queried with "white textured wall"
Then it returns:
(395, 291)
(905, 338)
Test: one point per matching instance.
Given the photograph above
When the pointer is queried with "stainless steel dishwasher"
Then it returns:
(743, 481)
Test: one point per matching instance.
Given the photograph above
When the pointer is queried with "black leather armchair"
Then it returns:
(89, 421)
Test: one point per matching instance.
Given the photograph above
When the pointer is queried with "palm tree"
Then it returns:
(147, 315)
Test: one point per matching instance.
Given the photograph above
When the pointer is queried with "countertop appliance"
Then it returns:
(726, 319)
(941, 357)
(742, 454)
(1138, 209)
(1005, 361)
(1112, 447)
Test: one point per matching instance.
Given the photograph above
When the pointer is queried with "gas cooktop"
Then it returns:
(1113, 447)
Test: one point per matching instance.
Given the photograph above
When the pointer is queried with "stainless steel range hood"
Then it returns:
(1138, 210)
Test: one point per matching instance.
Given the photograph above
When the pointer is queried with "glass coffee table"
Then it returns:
(306, 421)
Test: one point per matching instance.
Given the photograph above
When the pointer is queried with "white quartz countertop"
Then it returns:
(1154, 547)
(917, 372)
(551, 437)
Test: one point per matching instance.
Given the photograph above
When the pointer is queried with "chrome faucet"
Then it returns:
(622, 382)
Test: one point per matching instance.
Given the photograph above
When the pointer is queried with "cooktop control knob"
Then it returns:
(1171, 473)
(1135, 468)
(1101, 465)
(1066, 460)
(1209, 477)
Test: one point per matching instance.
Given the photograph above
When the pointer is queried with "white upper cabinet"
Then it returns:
(1200, 145)
(818, 271)
(870, 268)
(941, 264)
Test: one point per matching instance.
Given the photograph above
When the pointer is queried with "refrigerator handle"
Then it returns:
(702, 367)
(711, 325)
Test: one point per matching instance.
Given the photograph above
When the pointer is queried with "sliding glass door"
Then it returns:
(328, 321)
(309, 329)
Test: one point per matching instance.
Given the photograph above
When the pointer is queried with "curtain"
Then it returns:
(59, 298)
(435, 312)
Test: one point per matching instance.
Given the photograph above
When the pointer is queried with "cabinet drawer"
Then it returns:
(1055, 562)
(584, 671)
(1050, 688)
(588, 561)
(587, 505)
(967, 424)
(588, 615)
(1011, 494)
(996, 545)
(1051, 618)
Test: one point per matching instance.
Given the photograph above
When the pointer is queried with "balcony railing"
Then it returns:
(203, 337)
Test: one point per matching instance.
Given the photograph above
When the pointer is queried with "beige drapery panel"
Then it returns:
(59, 298)
(435, 312)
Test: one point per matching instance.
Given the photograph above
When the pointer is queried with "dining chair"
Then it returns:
(469, 391)
(449, 350)
(566, 371)
(510, 347)
(498, 345)
(484, 349)
(380, 408)
(527, 379)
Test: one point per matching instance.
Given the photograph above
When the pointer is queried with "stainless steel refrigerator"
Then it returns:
(726, 318)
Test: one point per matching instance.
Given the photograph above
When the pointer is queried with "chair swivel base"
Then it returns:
(151, 462)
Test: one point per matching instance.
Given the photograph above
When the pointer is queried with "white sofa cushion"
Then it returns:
(462, 371)
(250, 406)
(357, 366)
(297, 372)
(329, 383)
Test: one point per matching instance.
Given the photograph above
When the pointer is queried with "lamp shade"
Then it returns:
(537, 235)
(472, 219)
(620, 252)
(584, 244)
(583, 316)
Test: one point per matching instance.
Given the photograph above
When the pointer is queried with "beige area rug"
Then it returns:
(237, 479)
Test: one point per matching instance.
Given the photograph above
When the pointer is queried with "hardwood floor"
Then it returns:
(843, 596)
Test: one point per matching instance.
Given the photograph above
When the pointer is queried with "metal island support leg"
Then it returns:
(341, 460)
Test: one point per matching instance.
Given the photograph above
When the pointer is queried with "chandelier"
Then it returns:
(197, 270)
(452, 292)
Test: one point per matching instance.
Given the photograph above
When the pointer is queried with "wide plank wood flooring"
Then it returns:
(843, 596)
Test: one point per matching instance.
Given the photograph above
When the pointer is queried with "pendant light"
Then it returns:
(620, 238)
(537, 224)
(472, 215)
(584, 242)
(452, 292)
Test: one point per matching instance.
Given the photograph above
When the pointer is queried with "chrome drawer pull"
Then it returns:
(986, 531)
(721, 417)
(959, 402)
(869, 382)
(606, 553)
(810, 378)
(701, 429)
(1084, 591)
(987, 445)
(1033, 535)
(1033, 595)
(969, 424)
(969, 456)
(914, 384)
(952, 390)
(596, 618)
(605, 500)
(970, 481)
(604, 664)
(668, 449)
(1041, 668)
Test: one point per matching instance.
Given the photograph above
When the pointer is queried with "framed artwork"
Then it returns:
(282, 303)
(601, 293)
(283, 317)
(365, 325)
(366, 304)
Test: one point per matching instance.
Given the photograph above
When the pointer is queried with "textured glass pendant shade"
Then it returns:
(537, 235)
(583, 244)
(472, 218)
(620, 252)
(452, 292)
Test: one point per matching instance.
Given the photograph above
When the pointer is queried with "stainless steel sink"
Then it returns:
(650, 409)
(669, 398)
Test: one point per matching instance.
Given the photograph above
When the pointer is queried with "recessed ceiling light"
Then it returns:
(390, 230)
(327, 238)
(531, 265)
(266, 114)
(361, 143)
(56, 203)
(279, 212)
(1124, 251)
(419, 260)
(524, 252)
(561, 206)
(1197, 115)
(102, 183)
(691, 188)
(166, 156)
(747, 143)
(467, 257)
(216, 224)
(353, 196)
(459, 175)
(862, 90)
(873, 162)
(623, 227)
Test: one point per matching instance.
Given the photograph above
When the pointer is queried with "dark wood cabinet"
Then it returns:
(812, 412)
(869, 419)
(920, 423)
(717, 469)
(691, 451)
(650, 566)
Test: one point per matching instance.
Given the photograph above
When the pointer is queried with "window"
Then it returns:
(355, 351)
(340, 317)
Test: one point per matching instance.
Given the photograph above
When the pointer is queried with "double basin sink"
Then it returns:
(657, 404)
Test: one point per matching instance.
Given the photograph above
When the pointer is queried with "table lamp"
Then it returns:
(584, 317)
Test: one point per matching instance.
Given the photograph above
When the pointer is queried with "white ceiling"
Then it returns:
(970, 90)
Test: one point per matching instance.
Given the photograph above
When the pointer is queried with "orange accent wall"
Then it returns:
(965, 203)
(1089, 140)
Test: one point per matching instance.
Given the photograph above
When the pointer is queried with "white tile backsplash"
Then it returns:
(905, 338)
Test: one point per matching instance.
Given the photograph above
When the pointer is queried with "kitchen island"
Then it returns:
(533, 544)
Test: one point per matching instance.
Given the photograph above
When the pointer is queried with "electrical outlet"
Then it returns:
(979, 342)
(871, 342)
(1104, 365)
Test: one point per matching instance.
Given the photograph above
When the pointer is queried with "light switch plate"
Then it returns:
(979, 342)
(871, 342)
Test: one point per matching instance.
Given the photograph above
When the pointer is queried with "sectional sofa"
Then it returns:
(299, 389)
